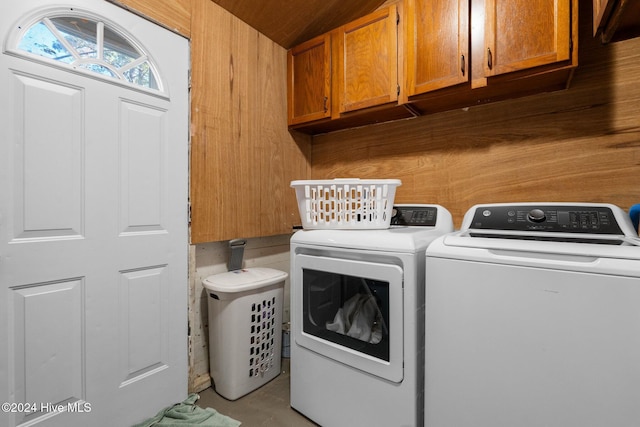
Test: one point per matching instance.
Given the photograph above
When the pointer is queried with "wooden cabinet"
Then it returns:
(436, 44)
(523, 47)
(460, 53)
(615, 20)
(367, 61)
(309, 80)
(523, 34)
(601, 13)
(348, 77)
(452, 54)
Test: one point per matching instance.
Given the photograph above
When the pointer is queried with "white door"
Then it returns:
(93, 219)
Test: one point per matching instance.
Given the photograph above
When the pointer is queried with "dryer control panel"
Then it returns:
(414, 215)
(546, 218)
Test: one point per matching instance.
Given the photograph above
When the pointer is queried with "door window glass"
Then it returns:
(90, 44)
(347, 310)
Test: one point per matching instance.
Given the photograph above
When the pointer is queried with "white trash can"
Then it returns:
(245, 329)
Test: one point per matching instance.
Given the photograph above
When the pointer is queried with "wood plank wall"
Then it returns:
(582, 144)
(172, 14)
(242, 155)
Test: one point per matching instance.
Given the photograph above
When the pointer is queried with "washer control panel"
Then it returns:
(414, 215)
(546, 218)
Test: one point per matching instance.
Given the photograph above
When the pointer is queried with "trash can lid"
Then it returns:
(245, 279)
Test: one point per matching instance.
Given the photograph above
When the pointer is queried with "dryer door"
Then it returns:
(350, 311)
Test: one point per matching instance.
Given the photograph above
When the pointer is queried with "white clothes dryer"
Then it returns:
(357, 316)
(533, 318)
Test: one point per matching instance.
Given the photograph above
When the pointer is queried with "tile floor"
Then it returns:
(267, 406)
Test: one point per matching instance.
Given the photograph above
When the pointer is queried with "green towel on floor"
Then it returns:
(188, 413)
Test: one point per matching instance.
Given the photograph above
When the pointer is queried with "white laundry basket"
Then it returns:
(245, 329)
(346, 203)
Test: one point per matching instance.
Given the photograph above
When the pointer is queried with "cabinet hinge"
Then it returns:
(398, 90)
(397, 18)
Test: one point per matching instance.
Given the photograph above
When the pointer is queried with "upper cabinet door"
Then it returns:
(521, 34)
(368, 61)
(309, 80)
(437, 44)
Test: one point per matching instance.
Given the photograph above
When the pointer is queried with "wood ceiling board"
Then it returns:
(290, 22)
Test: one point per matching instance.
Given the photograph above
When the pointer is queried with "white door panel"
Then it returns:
(48, 164)
(93, 235)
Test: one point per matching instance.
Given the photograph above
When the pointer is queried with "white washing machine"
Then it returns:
(533, 319)
(357, 315)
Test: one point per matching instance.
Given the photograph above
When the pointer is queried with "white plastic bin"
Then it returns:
(245, 329)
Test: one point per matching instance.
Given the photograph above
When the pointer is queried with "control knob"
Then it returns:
(536, 215)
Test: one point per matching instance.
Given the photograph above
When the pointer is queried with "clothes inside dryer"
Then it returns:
(359, 318)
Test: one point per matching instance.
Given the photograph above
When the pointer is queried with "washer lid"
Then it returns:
(246, 279)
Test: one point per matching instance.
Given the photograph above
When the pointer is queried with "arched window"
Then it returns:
(77, 39)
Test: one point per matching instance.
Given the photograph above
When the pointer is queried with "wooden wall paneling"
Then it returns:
(282, 159)
(284, 156)
(271, 189)
(242, 154)
(582, 144)
(295, 168)
(222, 132)
(172, 14)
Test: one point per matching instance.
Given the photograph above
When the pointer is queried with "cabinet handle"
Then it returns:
(325, 104)
(489, 58)
(462, 67)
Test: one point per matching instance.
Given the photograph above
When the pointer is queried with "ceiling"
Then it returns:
(291, 22)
